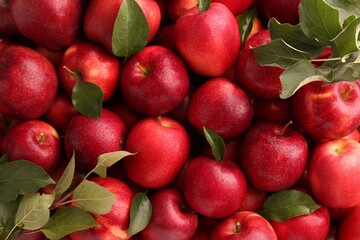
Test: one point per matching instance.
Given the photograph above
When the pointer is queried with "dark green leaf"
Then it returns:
(4, 158)
(87, 99)
(216, 142)
(107, 160)
(203, 5)
(278, 53)
(66, 178)
(346, 72)
(245, 24)
(140, 213)
(21, 177)
(348, 20)
(7, 215)
(318, 20)
(67, 220)
(346, 8)
(283, 205)
(347, 41)
(130, 31)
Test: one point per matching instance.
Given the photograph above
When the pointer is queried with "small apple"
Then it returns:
(154, 81)
(349, 225)
(171, 218)
(34, 141)
(245, 225)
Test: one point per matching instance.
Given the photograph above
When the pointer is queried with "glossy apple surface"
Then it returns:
(348, 227)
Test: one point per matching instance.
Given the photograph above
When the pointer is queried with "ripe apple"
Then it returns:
(222, 106)
(7, 24)
(154, 81)
(35, 141)
(171, 218)
(254, 199)
(208, 38)
(327, 111)
(245, 225)
(333, 171)
(176, 8)
(349, 225)
(53, 56)
(100, 17)
(114, 224)
(275, 110)
(204, 228)
(89, 62)
(162, 146)
(237, 6)
(273, 156)
(213, 189)
(25, 73)
(90, 138)
(165, 36)
(265, 83)
(284, 11)
(63, 21)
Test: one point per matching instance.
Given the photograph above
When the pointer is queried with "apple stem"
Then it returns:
(237, 227)
(76, 75)
(145, 71)
(345, 94)
(285, 127)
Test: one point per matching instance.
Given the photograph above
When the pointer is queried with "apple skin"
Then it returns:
(222, 106)
(162, 147)
(176, 8)
(154, 81)
(7, 24)
(333, 171)
(165, 36)
(311, 109)
(349, 225)
(313, 226)
(254, 199)
(62, 18)
(244, 225)
(265, 83)
(100, 17)
(114, 224)
(237, 6)
(276, 110)
(208, 38)
(91, 63)
(34, 141)
(171, 218)
(273, 156)
(25, 73)
(106, 135)
(284, 11)
(213, 189)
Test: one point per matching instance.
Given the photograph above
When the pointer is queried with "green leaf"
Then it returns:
(140, 213)
(66, 178)
(7, 215)
(33, 211)
(283, 205)
(296, 76)
(93, 198)
(346, 8)
(130, 31)
(347, 41)
(87, 98)
(107, 160)
(21, 177)
(245, 24)
(346, 72)
(217, 144)
(4, 158)
(318, 20)
(67, 220)
(294, 36)
(203, 5)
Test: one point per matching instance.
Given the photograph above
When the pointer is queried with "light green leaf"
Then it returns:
(21, 177)
(318, 20)
(107, 160)
(66, 178)
(283, 205)
(278, 53)
(93, 198)
(346, 8)
(87, 98)
(140, 213)
(33, 211)
(216, 142)
(67, 220)
(203, 5)
(130, 31)
(347, 41)
(245, 24)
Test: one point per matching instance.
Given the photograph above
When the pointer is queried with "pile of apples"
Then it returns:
(196, 71)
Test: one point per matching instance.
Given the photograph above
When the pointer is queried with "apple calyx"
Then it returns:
(144, 70)
(41, 138)
(75, 74)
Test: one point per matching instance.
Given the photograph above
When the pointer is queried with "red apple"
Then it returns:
(100, 17)
(213, 189)
(273, 156)
(237, 6)
(89, 138)
(89, 62)
(171, 218)
(165, 36)
(254, 199)
(25, 74)
(154, 81)
(35, 141)
(349, 225)
(7, 24)
(176, 8)
(284, 11)
(245, 225)
(53, 56)
(257, 80)
(327, 111)
(162, 147)
(205, 226)
(51, 24)
(114, 224)
(276, 110)
(208, 41)
(333, 171)
(222, 106)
